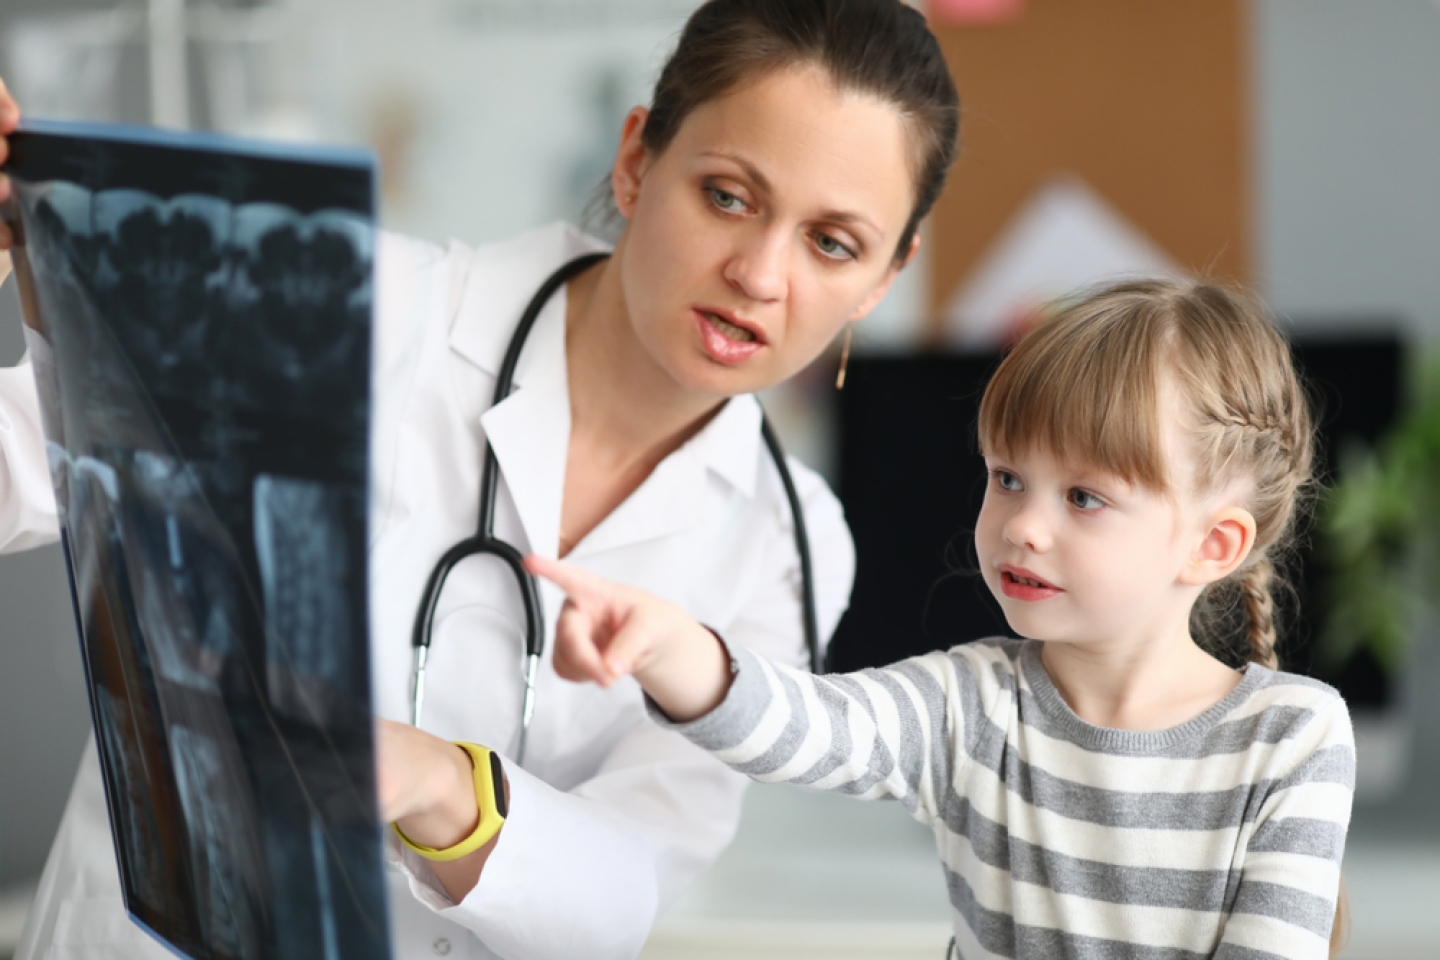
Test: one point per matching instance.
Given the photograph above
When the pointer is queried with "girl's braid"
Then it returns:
(1254, 585)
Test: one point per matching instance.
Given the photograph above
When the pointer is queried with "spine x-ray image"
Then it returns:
(198, 312)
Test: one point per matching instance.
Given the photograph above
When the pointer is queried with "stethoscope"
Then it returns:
(485, 541)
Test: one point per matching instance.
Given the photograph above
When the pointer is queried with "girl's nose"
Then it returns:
(759, 266)
(1026, 528)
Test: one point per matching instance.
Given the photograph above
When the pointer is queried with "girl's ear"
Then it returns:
(631, 160)
(1227, 542)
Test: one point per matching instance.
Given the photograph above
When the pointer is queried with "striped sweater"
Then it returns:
(1221, 837)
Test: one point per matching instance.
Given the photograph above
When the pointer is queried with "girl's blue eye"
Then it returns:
(833, 248)
(1085, 500)
(1006, 481)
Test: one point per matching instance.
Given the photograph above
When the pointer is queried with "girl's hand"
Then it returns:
(9, 119)
(607, 630)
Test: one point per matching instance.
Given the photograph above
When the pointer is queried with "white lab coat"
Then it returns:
(611, 816)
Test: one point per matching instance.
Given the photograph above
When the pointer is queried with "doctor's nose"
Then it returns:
(1027, 528)
(759, 265)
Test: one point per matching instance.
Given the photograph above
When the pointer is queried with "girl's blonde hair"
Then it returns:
(1087, 385)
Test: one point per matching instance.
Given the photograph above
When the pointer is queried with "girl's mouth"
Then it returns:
(1021, 584)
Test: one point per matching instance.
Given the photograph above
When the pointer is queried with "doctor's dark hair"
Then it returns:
(881, 48)
(1088, 385)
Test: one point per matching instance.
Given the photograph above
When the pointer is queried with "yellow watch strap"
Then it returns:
(489, 798)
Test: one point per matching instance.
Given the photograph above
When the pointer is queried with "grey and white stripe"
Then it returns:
(1221, 837)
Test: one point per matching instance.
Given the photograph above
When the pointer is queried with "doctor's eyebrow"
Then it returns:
(842, 217)
(751, 171)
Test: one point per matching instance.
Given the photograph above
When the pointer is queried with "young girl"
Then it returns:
(1114, 785)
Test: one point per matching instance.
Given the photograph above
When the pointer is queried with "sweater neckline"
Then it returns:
(1114, 740)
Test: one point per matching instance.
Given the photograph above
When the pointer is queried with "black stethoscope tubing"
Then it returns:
(485, 541)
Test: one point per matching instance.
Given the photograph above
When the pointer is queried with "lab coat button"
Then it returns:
(441, 947)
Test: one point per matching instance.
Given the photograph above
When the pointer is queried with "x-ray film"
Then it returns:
(198, 312)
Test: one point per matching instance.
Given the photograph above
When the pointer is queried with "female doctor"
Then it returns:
(771, 194)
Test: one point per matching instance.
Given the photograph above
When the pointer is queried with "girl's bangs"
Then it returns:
(1085, 390)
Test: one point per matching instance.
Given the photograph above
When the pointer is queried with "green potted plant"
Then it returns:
(1378, 529)
(1378, 526)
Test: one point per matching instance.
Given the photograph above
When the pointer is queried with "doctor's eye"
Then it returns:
(726, 200)
(832, 248)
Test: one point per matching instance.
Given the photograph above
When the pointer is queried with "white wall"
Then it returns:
(1348, 159)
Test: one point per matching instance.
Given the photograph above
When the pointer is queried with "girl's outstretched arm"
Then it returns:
(882, 733)
(607, 630)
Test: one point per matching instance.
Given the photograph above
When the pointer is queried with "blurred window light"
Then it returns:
(169, 71)
(66, 67)
(248, 56)
(554, 16)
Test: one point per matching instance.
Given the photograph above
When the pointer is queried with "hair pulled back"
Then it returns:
(1087, 385)
(882, 48)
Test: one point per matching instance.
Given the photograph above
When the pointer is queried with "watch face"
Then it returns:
(206, 309)
(497, 784)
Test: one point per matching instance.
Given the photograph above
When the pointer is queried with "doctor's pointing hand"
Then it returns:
(770, 195)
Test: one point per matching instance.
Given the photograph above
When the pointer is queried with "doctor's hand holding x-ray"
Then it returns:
(770, 196)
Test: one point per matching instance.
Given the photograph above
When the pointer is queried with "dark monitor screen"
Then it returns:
(911, 480)
(199, 317)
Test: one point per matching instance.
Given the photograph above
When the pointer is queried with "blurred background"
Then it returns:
(1292, 146)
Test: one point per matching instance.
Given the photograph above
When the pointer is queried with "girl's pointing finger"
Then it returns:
(579, 585)
(577, 648)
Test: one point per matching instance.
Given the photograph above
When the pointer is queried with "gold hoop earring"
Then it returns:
(844, 358)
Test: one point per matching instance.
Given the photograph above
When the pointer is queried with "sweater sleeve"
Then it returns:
(877, 734)
(1284, 905)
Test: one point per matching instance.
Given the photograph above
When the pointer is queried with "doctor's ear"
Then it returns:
(1226, 544)
(631, 160)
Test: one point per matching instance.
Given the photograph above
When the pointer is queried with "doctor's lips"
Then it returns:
(1022, 584)
(726, 337)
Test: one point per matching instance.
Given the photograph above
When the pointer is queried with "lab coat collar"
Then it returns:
(730, 443)
(496, 282)
(530, 429)
(677, 496)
